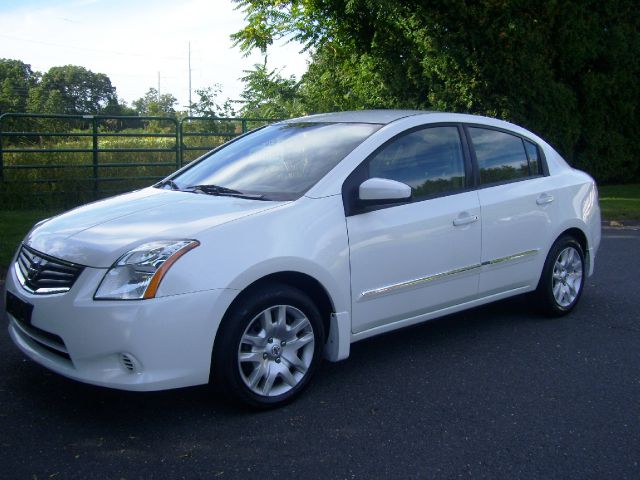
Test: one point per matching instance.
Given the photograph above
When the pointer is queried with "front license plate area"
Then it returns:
(19, 309)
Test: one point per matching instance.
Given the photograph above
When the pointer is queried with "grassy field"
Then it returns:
(59, 171)
(36, 179)
(618, 202)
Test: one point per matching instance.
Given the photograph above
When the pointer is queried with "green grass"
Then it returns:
(14, 225)
(620, 202)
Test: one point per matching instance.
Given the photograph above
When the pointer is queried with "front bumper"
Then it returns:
(153, 344)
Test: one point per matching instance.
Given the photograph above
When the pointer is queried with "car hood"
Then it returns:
(97, 234)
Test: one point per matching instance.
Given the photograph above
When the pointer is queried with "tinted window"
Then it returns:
(280, 161)
(429, 160)
(534, 160)
(501, 157)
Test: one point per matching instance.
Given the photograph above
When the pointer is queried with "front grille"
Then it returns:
(42, 274)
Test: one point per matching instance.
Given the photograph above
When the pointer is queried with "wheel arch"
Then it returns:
(582, 239)
(580, 236)
(304, 282)
(545, 295)
(301, 281)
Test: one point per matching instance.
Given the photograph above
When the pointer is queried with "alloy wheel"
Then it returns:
(276, 350)
(567, 276)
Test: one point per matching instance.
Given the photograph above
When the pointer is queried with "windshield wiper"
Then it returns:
(224, 191)
(169, 182)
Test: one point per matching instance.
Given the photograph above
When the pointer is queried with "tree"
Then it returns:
(567, 69)
(16, 80)
(209, 105)
(338, 79)
(73, 89)
(153, 104)
(269, 95)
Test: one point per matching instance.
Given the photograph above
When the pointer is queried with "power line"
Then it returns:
(146, 55)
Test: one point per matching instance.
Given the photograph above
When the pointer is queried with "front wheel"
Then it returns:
(269, 346)
(562, 278)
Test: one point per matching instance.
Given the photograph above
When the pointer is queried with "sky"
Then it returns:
(134, 41)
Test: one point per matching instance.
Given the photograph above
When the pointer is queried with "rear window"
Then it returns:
(501, 157)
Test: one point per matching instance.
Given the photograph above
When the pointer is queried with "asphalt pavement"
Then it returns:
(495, 392)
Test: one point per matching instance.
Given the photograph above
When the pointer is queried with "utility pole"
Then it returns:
(189, 78)
(158, 86)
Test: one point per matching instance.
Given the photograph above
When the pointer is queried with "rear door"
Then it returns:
(518, 209)
(424, 255)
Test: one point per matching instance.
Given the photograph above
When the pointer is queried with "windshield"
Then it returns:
(280, 162)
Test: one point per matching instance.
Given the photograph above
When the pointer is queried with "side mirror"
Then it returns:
(383, 190)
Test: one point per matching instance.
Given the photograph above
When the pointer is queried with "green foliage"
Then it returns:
(73, 90)
(154, 104)
(202, 133)
(16, 79)
(65, 179)
(59, 171)
(269, 95)
(209, 104)
(338, 79)
(70, 89)
(566, 69)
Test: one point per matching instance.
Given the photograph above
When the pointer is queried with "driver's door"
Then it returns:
(422, 256)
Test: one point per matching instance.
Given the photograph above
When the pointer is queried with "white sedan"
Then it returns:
(288, 244)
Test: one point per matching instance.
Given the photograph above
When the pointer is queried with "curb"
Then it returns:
(621, 225)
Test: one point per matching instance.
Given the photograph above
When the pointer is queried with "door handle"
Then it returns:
(544, 199)
(465, 220)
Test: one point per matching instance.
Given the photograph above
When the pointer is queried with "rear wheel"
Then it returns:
(269, 346)
(562, 278)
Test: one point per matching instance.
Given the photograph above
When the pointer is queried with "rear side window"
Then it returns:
(501, 157)
(429, 160)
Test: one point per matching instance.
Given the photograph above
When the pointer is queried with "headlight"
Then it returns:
(138, 273)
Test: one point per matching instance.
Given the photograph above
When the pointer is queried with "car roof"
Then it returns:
(359, 116)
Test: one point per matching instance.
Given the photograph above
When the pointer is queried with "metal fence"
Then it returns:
(70, 159)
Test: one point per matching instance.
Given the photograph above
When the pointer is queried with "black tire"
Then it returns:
(233, 376)
(568, 288)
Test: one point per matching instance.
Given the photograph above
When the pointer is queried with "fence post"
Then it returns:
(94, 129)
(244, 125)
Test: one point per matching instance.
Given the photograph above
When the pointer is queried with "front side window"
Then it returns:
(279, 162)
(429, 160)
(501, 156)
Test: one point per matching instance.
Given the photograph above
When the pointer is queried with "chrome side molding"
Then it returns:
(417, 281)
